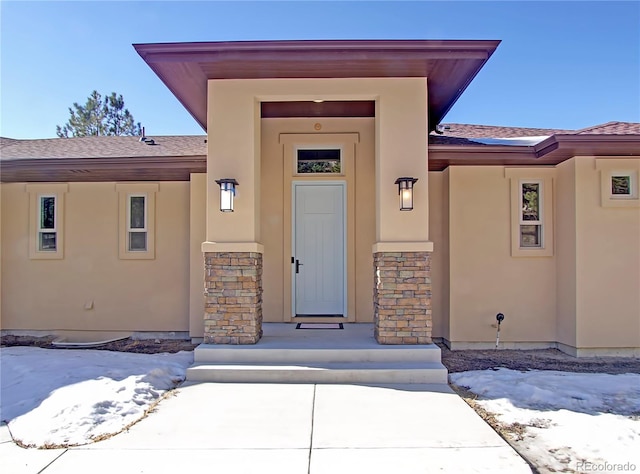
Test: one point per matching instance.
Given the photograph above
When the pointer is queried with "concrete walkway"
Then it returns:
(279, 428)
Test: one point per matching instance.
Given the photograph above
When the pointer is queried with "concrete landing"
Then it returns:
(289, 355)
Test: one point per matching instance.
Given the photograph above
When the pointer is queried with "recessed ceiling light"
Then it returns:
(318, 101)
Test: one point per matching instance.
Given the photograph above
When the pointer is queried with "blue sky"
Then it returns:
(561, 64)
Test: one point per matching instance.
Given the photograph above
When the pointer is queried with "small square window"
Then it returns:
(621, 185)
(618, 182)
(530, 236)
(47, 242)
(137, 241)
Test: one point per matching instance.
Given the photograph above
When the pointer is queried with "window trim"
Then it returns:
(36, 193)
(125, 192)
(545, 177)
(610, 167)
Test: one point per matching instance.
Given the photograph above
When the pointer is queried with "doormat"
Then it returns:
(319, 326)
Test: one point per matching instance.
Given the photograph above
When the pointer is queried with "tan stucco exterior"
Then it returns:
(91, 288)
(234, 151)
(583, 296)
(607, 262)
(439, 232)
(566, 266)
(598, 260)
(484, 279)
(579, 291)
(197, 231)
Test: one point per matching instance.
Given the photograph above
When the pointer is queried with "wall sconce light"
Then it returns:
(227, 192)
(405, 190)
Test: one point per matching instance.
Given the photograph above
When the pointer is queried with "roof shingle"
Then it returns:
(611, 128)
(102, 147)
(491, 131)
(195, 145)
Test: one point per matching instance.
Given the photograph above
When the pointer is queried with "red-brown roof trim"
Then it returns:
(138, 168)
(449, 65)
(550, 151)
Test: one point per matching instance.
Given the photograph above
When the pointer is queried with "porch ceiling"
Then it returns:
(449, 65)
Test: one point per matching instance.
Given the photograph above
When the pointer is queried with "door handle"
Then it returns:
(298, 265)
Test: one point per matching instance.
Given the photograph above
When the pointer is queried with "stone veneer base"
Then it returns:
(402, 297)
(233, 297)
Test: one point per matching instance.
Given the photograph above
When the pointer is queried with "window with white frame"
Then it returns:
(619, 181)
(531, 210)
(137, 223)
(47, 228)
(531, 192)
(46, 220)
(623, 185)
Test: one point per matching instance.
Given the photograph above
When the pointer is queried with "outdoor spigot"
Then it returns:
(499, 318)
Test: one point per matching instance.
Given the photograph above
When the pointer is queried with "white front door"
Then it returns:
(319, 270)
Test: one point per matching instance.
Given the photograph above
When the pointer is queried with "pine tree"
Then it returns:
(99, 117)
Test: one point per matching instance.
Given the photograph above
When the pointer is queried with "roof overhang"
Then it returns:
(448, 65)
(137, 168)
(553, 150)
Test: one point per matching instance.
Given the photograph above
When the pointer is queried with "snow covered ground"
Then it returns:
(54, 397)
(572, 421)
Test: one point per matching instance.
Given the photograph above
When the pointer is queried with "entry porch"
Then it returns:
(285, 354)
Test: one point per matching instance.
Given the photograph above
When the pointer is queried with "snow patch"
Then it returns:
(568, 418)
(72, 397)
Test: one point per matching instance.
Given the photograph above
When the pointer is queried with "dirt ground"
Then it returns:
(542, 359)
(455, 361)
(146, 346)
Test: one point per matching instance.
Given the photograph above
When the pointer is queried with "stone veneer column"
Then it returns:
(233, 297)
(402, 297)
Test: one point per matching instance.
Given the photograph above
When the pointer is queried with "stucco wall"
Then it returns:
(276, 220)
(585, 296)
(400, 149)
(608, 264)
(132, 295)
(197, 231)
(438, 233)
(446, 258)
(566, 264)
(484, 278)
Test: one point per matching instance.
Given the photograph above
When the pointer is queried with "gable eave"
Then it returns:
(448, 65)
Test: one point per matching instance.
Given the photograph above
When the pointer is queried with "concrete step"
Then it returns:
(343, 373)
(218, 354)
